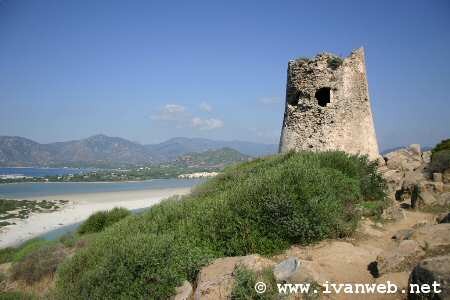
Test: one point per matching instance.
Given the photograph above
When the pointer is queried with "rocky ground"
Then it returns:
(411, 244)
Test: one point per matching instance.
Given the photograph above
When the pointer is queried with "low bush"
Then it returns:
(443, 145)
(440, 161)
(334, 62)
(245, 281)
(102, 219)
(38, 263)
(262, 206)
(11, 254)
(7, 254)
(16, 296)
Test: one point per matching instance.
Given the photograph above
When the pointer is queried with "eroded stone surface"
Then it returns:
(328, 106)
(216, 280)
(429, 271)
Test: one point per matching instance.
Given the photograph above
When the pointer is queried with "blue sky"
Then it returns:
(151, 70)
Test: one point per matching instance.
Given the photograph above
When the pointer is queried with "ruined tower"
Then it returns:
(328, 106)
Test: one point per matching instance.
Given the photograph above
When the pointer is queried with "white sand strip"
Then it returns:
(81, 206)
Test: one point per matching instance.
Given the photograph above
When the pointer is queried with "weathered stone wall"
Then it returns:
(345, 123)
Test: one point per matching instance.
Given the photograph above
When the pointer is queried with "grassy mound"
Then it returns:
(38, 263)
(102, 219)
(261, 206)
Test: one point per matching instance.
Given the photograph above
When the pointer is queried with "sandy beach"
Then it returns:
(79, 208)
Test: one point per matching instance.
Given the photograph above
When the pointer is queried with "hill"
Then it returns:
(215, 159)
(103, 151)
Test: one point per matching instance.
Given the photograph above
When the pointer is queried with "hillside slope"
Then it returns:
(104, 151)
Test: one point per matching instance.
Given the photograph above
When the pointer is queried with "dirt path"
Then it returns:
(347, 261)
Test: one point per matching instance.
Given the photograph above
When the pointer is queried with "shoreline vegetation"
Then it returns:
(12, 209)
(204, 164)
(73, 209)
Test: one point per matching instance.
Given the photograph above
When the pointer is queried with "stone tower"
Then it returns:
(328, 106)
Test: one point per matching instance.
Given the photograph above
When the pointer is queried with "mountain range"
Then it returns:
(104, 151)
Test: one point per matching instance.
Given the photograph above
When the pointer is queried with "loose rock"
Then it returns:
(428, 271)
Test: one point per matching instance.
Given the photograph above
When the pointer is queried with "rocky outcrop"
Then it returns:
(409, 180)
(216, 280)
(431, 271)
(183, 292)
(295, 270)
(433, 239)
(400, 258)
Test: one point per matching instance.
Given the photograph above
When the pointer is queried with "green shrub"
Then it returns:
(38, 263)
(443, 145)
(261, 206)
(440, 161)
(130, 266)
(7, 254)
(245, 281)
(16, 296)
(69, 240)
(334, 62)
(372, 208)
(29, 247)
(102, 219)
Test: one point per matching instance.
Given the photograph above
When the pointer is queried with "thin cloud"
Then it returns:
(170, 112)
(206, 124)
(206, 107)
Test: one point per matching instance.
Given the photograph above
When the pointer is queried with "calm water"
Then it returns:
(30, 190)
(40, 172)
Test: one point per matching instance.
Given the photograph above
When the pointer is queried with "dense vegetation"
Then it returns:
(261, 206)
(443, 145)
(440, 158)
(208, 161)
(102, 219)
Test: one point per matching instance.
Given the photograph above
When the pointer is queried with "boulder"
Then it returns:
(446, 176)
(294, 270)
(216, 280)
(444, 199)
(443, 218)
(431, 186)
(285, 269)
(429, 271)
(393, 213)
(380, 161)
(403, 234)
(404, 159)
(434, 239)
(426, 157)
(400, 279)
(394, 179)
(406, 254)
(426, 198)
(183, 292)
(437, 177)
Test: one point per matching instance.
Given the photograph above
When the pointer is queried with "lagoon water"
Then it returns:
(29, 190)
(41, 172)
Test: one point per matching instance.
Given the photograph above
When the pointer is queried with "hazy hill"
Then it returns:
(105, 151)
(211, 158)
(178, 146)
